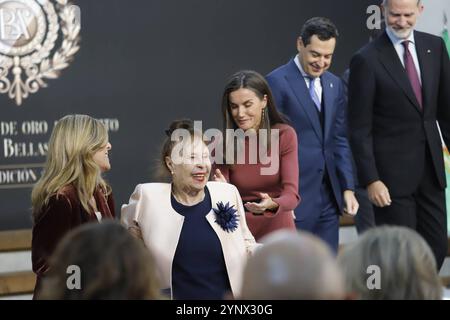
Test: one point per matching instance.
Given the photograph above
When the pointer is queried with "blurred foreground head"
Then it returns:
(292, 266)
(111, 264)
(391, 263)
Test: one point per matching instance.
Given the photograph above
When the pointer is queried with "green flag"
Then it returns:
(447, 191)
(445, 34)
(446, 39)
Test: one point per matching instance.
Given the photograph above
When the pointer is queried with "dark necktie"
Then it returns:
(412, 73)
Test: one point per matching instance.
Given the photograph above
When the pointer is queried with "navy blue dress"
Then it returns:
(198, 269)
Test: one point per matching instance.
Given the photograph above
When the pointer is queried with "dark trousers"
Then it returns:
(326, 225)
(365, 219)
(423, 211)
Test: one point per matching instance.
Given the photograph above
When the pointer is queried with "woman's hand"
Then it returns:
(218, 176)
(266, 203)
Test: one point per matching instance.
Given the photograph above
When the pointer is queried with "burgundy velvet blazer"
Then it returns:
(63, 213)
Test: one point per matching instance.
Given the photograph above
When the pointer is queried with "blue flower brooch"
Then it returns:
(226, 216)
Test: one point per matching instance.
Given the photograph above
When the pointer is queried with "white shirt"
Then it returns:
(306, 77)
(98, 215)
(397, 42)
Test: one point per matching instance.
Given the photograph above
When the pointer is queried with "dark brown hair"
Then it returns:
(162, 170)
(255, 82)
(323, 28)
(251, 80)
(112, 264)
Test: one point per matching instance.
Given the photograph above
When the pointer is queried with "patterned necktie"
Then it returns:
(412, 73)
(313, 93)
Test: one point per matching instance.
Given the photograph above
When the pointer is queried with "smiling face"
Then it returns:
(316, 57)
(246, 108)
(101, 157)
(190, 171)
(401, 16)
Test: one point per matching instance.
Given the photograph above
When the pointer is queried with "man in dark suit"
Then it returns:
(313, 99)
(399, 87)
(365, 218)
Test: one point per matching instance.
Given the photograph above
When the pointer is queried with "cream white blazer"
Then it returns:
(161, 226)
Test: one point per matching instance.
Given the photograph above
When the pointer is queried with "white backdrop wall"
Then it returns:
(432, 19)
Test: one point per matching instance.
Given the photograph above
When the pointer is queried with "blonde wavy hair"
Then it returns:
(72, 146)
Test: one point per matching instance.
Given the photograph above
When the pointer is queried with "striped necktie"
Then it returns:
(313, 94)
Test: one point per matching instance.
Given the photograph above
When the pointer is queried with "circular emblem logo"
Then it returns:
(29, 30)
(23, 27)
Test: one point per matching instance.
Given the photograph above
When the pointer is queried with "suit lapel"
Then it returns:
(329, 92)
(298, 86)
(389, 58)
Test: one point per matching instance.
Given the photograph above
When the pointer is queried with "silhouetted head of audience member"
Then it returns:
(100, 262)
(292, 266)
(390, 263)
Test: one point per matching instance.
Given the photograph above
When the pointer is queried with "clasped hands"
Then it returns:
(257, 208)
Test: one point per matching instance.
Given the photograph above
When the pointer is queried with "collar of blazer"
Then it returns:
(161, 225)
(217, 192)
(394, 67)
(330, 90)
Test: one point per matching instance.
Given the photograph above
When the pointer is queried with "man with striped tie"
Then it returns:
(313, 100)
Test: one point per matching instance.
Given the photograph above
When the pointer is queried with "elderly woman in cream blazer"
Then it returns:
(195, 229)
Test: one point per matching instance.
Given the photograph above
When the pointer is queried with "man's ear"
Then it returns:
(300, 44)
(421, 8)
